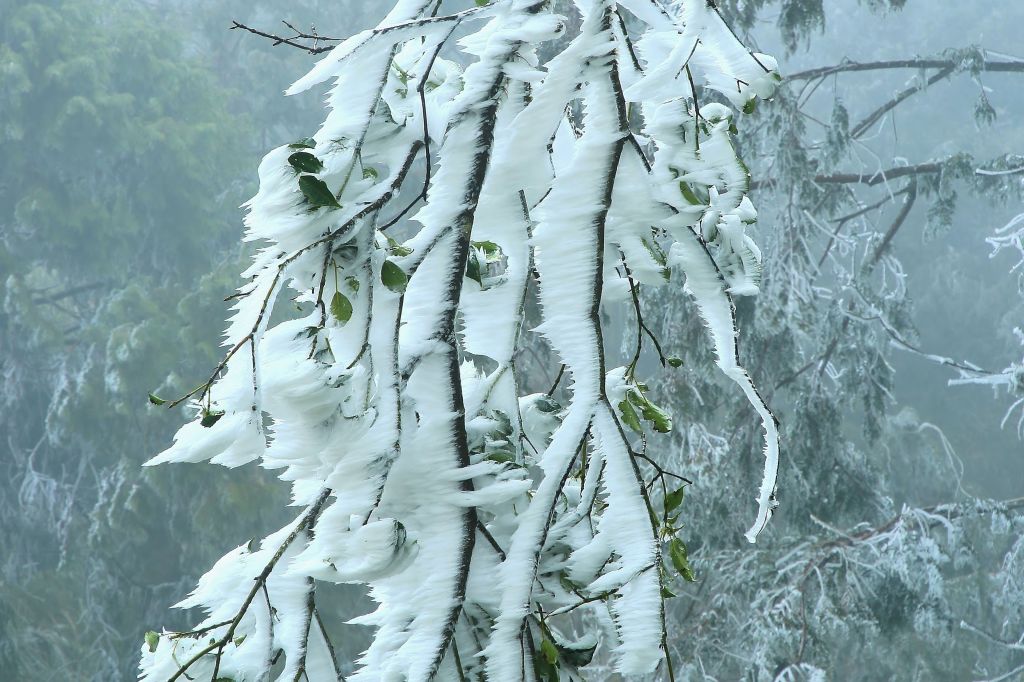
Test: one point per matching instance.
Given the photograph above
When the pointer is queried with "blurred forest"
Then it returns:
(129, 135)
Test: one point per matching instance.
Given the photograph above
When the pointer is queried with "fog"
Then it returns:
(130, 135)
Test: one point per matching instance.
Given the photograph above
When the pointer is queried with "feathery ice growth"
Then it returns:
(471, 165)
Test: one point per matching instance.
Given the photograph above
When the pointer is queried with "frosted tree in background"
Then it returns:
(886, 563)
(372, 358)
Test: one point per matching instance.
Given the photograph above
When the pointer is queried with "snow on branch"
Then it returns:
(455, 173)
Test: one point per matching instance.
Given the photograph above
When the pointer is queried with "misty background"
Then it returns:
(130, 133)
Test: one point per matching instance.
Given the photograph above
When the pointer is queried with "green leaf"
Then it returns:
(370, 172)
(352, 283)
(393, 277)
(660, 419)
(667, 593)
(501, 457)
(680, 561)
(577, 657)
(674, 362)
(397, 249)
(304, 162)
(629, 416)
(211, 417)
(482, 3)
(152, 640)
(689, 194)
(750, 106)
(317, 193)
(304, 143)
(155, 400)
(674, 499)
(567, 585)
(473, 268)
(546, 404)
(549, 651)
(341, 307)
(503, 427)
(546, 672)
(403, 75)
(238, 640)
(658, 254)
(490, 249)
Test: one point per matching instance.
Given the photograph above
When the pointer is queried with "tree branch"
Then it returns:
(291, 40)
(869, 179)
(306, 523)
(870, 120)
(851, 66)
(883, 245)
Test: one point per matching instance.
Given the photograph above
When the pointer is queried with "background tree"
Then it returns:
(885, 543)
(112, 131)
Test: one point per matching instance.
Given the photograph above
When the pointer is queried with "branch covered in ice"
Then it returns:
(373, 350)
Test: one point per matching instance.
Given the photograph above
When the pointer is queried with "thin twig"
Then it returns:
(291, 41)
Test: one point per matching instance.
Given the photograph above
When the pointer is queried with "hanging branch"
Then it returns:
(394, 389)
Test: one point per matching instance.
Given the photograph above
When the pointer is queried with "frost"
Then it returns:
(484, 520)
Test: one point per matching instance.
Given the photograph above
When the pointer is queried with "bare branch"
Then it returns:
(851, 66)
(291, 41)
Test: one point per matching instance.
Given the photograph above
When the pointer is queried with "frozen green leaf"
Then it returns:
(304, 162)
(341, 307)
(501, 457)
(674, 499)
(577, 656)
(550, 652)
(680, 561)
(393, 277)
(689, 195)
(211, 417)
(397, 249)
(629, 416)
(659, 418)
(473, 268)
(317, 193)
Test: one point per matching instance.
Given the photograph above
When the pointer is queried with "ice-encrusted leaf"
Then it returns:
(341, 307)
(317, 193)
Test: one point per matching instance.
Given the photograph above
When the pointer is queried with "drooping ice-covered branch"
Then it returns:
(485, 521)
